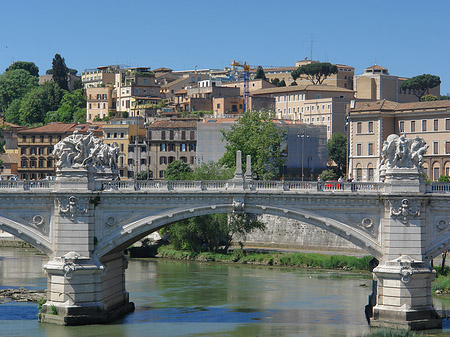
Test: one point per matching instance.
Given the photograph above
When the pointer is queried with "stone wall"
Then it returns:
(291, 234)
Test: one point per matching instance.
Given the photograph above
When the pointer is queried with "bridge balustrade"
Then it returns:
(438, 187)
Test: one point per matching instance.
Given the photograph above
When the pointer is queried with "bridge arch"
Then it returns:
(127, 234)
(26, 233)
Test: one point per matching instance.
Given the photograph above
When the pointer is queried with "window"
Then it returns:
(436, 173)
(358, 127)
(41, 163)
(358, 149)
(171, 134)
(163, 147)
(192, 160)
(49, 162)
(370, 149)
(24, 163)
(424, 125)
(436, 125)
(192, 147)
(358, 174)
(447, 147)
(192, 135)
(33, 139)
(370, 174)
(108, 135)
(163, 135)
(413, 126)
(401, 126)
(41, 150)
(23, 150)
(42, 139)
(183, 135)
(171, 159)
(218, 106)
(447, 124)
(183, 147)
(183, 159)
(435, 147)
(370, 127)
(32, 150)
(163, 160)
(122, 135)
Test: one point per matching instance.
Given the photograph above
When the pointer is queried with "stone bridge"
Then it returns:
(84, 224)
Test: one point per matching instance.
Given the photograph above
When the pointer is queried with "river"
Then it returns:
(202, 299)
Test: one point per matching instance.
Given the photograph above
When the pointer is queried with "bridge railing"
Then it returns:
(438, 187)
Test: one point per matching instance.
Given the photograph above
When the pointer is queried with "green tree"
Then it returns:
(14, 84)
(428, 98)
(79, 116)
(59, 72)
(38, 102)
(337, 151)
(177, 170)
(27, 66)
(420, 85)
(315, 72)
(77, 84)
(70, 104)
(260, 73)
(211, 171)
(256, 135)
(444, 179)
(328, 175)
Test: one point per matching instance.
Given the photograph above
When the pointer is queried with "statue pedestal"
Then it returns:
(403, 180)
(404, 296)
(72, 178)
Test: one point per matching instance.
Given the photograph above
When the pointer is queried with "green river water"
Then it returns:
(202, 299)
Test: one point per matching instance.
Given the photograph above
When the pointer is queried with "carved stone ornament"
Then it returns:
(406, 273)
(238, 206)
(86, 151)
(111, 221)
(404, 211)
(367, 224)
(38, 220)
(399, 152)
(72, 208)
(442, 225)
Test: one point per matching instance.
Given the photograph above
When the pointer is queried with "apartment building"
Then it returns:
(372, 122)
(171, 140)
(311, 104)
(100, 76)
(253, 85)
(188, 80)
(36, 146)
(129, 134)
(377, 84)
(100, 102)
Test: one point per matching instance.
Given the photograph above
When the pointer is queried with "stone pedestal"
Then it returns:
(403, 180)
(404, 296)
(80, 291)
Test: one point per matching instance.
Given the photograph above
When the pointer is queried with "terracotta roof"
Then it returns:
(301, 87)
(344, 66)
(180, 80)
(384, 105)
(182, 91)
(162, 69)
(173, 124)
(12, 125)
(376, 66)
(58, 127)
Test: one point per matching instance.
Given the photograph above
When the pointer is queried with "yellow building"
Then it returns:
(99, 76)
(100, 102)
(132, 149)
(372, 122)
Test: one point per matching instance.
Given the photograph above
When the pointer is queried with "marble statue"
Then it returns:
(400, 152)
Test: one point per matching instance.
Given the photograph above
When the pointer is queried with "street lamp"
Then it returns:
(302, 137)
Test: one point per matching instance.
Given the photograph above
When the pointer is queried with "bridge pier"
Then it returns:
(81, 291)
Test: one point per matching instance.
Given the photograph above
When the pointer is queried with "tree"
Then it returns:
(79, 116)
(59, 72)
(278, 83)
(315, 72)
(260, 73)
(420, 85)
(14, 84)
(70, 104)
(428, 98)
(328, 175)
(256, 135)
(35, 105)
(177, 170)
(27, 66)
(337, 151)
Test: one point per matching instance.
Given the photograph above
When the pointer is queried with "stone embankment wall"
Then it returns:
(291, 234)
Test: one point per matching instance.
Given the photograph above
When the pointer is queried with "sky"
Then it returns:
(409, 38)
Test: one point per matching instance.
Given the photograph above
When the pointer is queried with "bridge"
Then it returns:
(85, 219)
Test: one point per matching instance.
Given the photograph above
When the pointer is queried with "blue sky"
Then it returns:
(407, 37)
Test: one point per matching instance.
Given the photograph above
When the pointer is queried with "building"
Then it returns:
(129, 134)
(304, 146)
(132, 84)
(188, 80)
(311, 104)
(377, 84)
(36, 146)
(100, 76)
(100, 102)
(171, 140)
(10, 163)
(252, 85)
(372, 122)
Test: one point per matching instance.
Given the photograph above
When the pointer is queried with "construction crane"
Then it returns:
(246, 68)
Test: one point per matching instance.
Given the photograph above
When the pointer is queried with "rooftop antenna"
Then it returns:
(311, 46)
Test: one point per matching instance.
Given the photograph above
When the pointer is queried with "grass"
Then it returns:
(302, 260)
(392, 333)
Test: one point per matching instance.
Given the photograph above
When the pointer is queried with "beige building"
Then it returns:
(188, 80)
(376, 84)
(100, 102)
(171, 140)
(372, 122)
(253, 85)
(99, 76)
(312, 104)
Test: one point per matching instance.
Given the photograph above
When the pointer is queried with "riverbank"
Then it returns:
(282, 259)
(22, 295)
